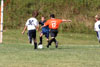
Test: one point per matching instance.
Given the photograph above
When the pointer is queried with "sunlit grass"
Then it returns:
(75, 50)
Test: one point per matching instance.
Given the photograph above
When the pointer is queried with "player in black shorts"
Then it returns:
(31, 25)
(53, 26)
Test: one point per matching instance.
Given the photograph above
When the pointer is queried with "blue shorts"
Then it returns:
(46, 33)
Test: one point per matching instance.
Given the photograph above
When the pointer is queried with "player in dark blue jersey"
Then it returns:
(45, 30)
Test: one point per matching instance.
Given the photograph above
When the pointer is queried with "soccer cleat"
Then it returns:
(56, 44)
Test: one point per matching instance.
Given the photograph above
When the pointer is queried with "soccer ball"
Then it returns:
(40, 46)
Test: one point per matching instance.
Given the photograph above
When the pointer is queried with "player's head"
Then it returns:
(52, 16)
(35, 13)
(42, 18)
(97, 17)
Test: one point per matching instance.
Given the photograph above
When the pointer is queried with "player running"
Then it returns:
(31, 25)
(45, 30)
(97, 26)
(53, 24)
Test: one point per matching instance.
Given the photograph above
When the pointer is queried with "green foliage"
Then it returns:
(81, 12)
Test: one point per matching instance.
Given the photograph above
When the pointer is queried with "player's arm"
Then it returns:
(45, 24)
(24, 30)
(95, 27)
(37, 27)
(64, 20)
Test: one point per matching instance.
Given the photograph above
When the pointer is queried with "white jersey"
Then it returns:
(31, 23)
(97, 26)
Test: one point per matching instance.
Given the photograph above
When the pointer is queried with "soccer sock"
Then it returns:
(35, 45)
(40, 40)
(30, 40)
(55, 40)
(49, 43)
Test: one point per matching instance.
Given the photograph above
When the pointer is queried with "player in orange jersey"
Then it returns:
(53, 24)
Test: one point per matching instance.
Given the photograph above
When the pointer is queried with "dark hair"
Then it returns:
(43, 16)
(52, 15)
(35, 13)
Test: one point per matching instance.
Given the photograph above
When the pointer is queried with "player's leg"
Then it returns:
(31, 41)
(41, 34)
(35, 40)
(53, 39)
(53, 35)
(56, 42)
(29, 37)
(47, 36)
(35, 43)
(98, 36)
(50, 41)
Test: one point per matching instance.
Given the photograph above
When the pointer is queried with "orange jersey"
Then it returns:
(53, 23)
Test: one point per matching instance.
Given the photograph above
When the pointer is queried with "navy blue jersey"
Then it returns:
(44, 29)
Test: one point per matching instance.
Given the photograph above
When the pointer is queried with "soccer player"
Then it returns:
(31, 25)
(45, 30)
(53, 24)
(97, 26)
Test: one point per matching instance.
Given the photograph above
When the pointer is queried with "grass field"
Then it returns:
(75, 50)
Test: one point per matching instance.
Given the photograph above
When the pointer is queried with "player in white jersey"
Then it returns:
(31, 25)
(97, 26)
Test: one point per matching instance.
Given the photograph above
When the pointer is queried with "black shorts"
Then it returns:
(53, 32)
(31, 35)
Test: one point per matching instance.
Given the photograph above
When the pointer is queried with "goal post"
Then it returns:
(1, 21)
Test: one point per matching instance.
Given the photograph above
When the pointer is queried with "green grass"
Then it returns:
(75, 50)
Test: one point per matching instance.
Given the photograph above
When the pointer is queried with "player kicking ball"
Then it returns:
(45, 31)
(31, 25)
(53, 24)
(97, 26)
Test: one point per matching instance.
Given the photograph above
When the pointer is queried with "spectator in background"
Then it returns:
(97, 26)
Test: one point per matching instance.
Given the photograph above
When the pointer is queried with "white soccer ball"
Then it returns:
(40, 46)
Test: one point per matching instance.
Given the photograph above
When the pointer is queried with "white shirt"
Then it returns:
(32, 23)
(97, 26)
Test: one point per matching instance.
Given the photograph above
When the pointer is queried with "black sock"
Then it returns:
(40, 40)
(49, 43)
(35, 45)
(54, 40)
(30, 40)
